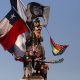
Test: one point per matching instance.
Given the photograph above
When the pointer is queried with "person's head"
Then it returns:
(36, 22)
(27, 53)
(37, 27)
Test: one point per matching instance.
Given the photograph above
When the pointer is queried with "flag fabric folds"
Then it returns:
(19, 48)
(20, 8)
(10, 28)
(56, 48)
(35, 10)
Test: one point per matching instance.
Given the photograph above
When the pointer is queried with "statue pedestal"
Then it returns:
(34, 78)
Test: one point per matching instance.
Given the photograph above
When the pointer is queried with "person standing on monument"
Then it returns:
(34, 48)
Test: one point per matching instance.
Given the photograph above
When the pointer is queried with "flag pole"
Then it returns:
(48, 32)
(23, 4)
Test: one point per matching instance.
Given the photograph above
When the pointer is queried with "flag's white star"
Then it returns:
(12, 16)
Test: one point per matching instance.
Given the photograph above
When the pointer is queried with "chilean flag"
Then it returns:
(10, 28)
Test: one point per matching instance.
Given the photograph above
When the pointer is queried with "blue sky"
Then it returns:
(64, 27)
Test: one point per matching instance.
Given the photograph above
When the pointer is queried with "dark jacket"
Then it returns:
(33, 40)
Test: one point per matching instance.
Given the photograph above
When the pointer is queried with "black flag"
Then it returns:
(14, 3)
(35, 10)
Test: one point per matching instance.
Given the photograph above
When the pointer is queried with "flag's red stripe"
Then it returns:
(9, 39)
(57, 46)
